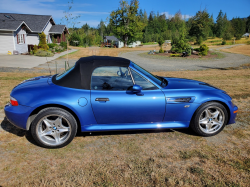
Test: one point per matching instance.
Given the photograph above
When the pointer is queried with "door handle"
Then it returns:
(102, 99)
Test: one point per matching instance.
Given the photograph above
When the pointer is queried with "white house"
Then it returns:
(18, 31)
(119, 44)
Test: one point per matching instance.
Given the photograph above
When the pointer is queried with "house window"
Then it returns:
(20, 39)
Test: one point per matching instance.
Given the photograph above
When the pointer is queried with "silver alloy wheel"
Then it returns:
(53, 129)
(211, 119)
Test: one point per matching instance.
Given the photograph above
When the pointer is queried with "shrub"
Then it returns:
(180, 47)
(197, 49)
(31, 52)
(52, 45)
(161, 42)
(161, 50)
(42, 41)
(43, 53)
(223, 42)
(175, 55)
(189, 50)
(58, 48)
(203, 50)
(75, 37)
(64, 45)
(35, 49)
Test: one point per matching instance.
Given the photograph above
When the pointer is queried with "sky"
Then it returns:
(92, 11)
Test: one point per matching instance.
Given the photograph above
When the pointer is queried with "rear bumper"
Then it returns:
(17, 115)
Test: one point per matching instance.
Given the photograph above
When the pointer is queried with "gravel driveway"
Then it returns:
(154, 63)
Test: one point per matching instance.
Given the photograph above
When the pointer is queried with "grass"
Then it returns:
(218, 41)
(82, 52)
(155, 158)
(149, 43)
(242, 49)
(65, 56)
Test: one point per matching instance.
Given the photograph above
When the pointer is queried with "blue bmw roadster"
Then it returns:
(111, 93)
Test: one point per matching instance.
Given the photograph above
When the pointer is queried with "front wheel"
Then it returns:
(53, 128)
(209, 119)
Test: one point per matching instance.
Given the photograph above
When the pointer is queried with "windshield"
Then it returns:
(61, 75)
(158, 80)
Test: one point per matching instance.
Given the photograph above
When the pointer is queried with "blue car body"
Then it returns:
(165, 107)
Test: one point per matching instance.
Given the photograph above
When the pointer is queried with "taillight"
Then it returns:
(13, 101)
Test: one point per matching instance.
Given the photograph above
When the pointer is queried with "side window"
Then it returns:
(111, 78)
(139, 80)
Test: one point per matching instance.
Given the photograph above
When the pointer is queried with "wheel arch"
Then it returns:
(217, 101)
(34, 113)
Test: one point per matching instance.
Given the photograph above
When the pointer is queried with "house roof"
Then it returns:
(57, 29)
(113, 38)
(35, 22)
(10, 25)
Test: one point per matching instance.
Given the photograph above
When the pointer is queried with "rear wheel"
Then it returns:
(53, 128)
(209, 119)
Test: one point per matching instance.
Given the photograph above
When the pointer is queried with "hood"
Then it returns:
(35, 81)
(178, 83)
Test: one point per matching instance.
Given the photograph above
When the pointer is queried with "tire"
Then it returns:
(53, 128)
(209, 119)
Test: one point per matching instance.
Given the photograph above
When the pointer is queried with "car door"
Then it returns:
(113, 101)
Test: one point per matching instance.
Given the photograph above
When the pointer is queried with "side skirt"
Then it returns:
(136, 126)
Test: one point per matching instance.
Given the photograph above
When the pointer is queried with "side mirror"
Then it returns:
(137, 89)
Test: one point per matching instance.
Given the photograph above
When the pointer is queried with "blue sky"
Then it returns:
(92, 11)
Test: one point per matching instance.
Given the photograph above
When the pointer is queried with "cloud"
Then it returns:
(42, 7)
(185, 16)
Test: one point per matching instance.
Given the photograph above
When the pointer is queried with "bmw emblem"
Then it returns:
(54, 128)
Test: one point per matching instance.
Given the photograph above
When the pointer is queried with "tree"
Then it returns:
(248, 24)
(68, 17)
(200, 25)
(102, 28)
(227, 33)
(161, 42)
(221, 24)
(239, 27)
(43, 42)
(85, 27)
(126, 22)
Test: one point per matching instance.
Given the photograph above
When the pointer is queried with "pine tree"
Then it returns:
(220, 24)
(200, 25)
(248, 24)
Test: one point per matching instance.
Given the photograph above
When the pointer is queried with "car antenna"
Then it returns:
(48, 65)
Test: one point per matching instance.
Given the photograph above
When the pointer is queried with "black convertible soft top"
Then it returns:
(80, 76)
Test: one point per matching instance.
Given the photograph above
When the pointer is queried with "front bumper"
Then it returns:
(17, 115)
(233, 114)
